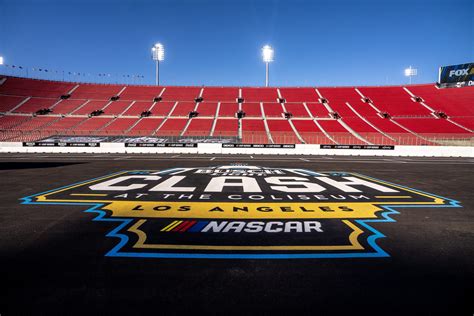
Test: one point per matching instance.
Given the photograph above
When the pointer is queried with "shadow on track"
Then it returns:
(34, 165)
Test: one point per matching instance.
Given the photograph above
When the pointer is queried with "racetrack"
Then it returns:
(54, 257)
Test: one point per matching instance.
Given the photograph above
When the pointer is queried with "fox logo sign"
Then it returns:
(456, 75)
(459, 72)
(241, 212)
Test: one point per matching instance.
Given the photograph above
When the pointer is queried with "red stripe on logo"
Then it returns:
(190, 224)
(177, 228)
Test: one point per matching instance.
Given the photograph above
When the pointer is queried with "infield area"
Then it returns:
(240, 234)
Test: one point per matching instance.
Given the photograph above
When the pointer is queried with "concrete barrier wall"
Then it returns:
(205, 148)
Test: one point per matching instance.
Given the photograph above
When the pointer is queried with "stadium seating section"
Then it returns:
(392, 115)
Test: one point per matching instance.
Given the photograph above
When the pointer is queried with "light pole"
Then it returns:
(410, 72)
(158, 54)
(267, 56)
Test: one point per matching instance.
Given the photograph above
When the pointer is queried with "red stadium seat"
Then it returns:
(96, 91)
(10, 121)
(140, 93)
(453, 102)
(220, 94)
(430, 126)
(228, 109)
(35, 104)
(35, 88)
(259, 94)
(145, 127)
(40, 122)
(67, 106)
(273, 109)
(138, 108)
(253, 131)
(395, 101)
(310, 132)
(89, 107)
(207, 108)
(65, 124)
(120, 126)
(297, 109)
(199, 127)
(299, 94)
(8, 102)
(282, 132)
(117, 107)
(172, 127)
(181, 93)
(162, 108)
(183, 109)
(339, 133)
(91, 125)
(317, 110)
(467, 121)
(251, 109)
(226, 127)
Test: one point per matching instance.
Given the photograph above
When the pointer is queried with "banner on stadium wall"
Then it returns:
(456, 75)
(258, 145)
(182, 145)
(378, 147)
(59, 144)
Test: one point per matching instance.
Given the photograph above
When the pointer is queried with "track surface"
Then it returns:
(52, 257)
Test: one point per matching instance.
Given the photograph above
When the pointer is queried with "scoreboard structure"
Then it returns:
(461, 75)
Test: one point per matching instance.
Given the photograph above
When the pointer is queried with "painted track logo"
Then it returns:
(242, 212)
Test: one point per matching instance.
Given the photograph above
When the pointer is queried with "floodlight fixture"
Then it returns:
(158, 54)
(267, 56)
(267, 53)
(1, 60)
(410, 72)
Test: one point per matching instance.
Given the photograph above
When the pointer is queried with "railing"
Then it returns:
(437, 139)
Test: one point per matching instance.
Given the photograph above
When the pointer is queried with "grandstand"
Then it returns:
(32, 110)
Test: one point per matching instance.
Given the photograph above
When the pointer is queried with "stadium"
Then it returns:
(416, 115)
(251, 198)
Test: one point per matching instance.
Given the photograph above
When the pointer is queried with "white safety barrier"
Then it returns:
(206, 148)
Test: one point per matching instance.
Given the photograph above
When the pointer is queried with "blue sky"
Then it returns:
(318, 43)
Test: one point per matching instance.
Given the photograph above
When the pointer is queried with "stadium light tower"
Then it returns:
(267, 55)
(158, 54)
(410, 72)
